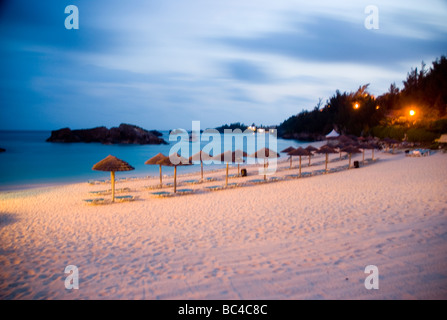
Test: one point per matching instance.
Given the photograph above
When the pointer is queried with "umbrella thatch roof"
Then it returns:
(264, 153)
(351, 149)
(326, 149)
(299, 152)
(200, 156)
(311, 148)
(178, 161)
(233, 157)
(112, 164)
(365, 146)
(155, 159)
(289, 149)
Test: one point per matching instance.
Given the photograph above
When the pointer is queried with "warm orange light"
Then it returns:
(377, 107)
(356, 106)
(412, 113)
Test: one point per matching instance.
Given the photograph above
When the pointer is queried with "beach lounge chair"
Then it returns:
(318, 172)
(125, 198)
(100, 192)
(162, 194)
(232, 185)
(214, 188)
(185, 191)
(94, 201)
(191, 181)
(257, 181)
(293, 176)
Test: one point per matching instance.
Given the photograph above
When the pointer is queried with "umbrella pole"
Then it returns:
(363, 161)
(300, 166)
(175, 179)
(290, 162)
(373, 154)
(161, 181)
(265, 173)
(349, 166)
(238, 170)
(226, 176)
(201, 168)
(112, 174)
(327, 159)
(309, 160)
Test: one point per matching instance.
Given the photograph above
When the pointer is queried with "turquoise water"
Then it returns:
(30, 161)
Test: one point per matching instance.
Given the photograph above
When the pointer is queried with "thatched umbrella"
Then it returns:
(364, 146)
(390, 141)
(154, 161)
(373, 146)
(112, 164)
(238, 156)
(326, 150)
(264, 153)
(233, 157)
(339, 146)
(288, 150)
(347, 140)
(310, 149)
(350, 150)
(179, 161)
(200, 156)
(299, 152)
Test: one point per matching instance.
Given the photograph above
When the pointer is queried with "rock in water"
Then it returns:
(2, 150)
(124, 134)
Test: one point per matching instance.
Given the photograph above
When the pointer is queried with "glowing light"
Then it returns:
(377, 107)
(356, 105)
(412, 113)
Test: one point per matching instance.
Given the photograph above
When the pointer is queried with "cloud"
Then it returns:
(163, 63)
(247, 71)
(338, 41)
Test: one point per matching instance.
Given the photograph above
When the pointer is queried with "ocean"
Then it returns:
(30, 161)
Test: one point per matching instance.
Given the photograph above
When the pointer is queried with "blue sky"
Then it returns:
(161, 64)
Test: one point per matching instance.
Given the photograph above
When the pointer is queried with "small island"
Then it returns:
(2, 150)
(124, 134)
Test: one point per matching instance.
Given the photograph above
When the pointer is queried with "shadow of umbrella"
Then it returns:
(299, 152)
(174, 160)
(112, 164)
(154, 161)
(326, 149)
(264, 153)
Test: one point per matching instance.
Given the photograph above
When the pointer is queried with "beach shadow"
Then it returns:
(7, 219)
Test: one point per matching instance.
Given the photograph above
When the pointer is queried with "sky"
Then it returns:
(161, 64)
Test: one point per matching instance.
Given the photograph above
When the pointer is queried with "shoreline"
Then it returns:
(141, 176)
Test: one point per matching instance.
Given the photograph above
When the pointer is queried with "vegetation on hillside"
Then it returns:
(417, 113)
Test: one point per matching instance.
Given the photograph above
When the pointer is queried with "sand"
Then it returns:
(307, 238)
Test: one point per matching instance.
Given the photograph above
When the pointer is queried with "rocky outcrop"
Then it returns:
(124, 134)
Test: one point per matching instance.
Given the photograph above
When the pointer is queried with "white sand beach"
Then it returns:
(307, 238)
